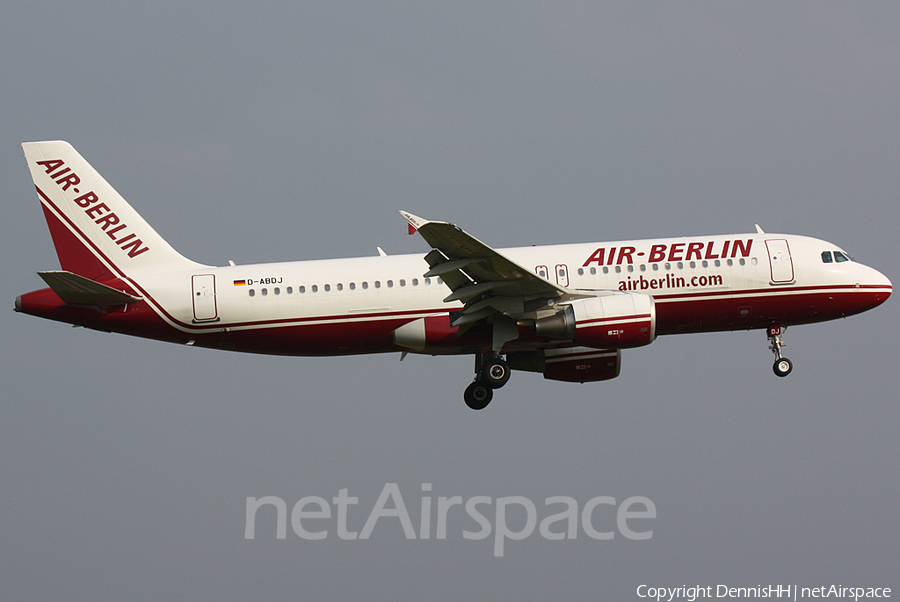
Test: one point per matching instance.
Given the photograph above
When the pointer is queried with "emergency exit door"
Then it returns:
(204, 286)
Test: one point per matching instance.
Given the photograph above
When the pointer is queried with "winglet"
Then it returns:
(415, 222)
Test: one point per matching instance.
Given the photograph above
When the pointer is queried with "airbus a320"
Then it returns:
(565, 311)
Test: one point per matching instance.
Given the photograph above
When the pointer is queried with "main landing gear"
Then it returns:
(782, 365)
(491, 373)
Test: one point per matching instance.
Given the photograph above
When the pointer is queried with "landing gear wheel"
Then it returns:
(495, 373)
(478, 395)
(782, 366)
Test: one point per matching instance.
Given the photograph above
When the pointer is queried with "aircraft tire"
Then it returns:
(496, 373)
(478, 395)
(782, 367)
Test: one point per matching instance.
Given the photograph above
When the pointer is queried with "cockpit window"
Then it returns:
(826, 257)
(840, 257)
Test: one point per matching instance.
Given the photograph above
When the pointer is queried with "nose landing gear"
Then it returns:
(490, 373)
(782, 366)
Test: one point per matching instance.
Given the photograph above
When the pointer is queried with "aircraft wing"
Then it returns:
(485, 280)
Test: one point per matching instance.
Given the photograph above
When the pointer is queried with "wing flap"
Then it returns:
(467, 293)
(452, 265)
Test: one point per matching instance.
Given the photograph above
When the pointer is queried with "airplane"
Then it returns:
(565, 311)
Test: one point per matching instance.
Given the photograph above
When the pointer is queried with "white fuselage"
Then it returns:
(687, 277)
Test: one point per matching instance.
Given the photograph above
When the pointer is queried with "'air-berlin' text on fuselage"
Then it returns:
(680, 251)
(99, 212)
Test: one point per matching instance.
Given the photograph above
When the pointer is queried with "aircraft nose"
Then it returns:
(884, 280)
(881, 286)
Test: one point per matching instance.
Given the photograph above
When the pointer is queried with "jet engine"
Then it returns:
(616, 321)
(571, 364)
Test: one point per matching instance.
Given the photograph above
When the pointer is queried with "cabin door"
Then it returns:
(780, 264)
(204, 286)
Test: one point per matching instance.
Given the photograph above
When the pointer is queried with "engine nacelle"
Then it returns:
(619, 321)
(426, 335)
(572, 364)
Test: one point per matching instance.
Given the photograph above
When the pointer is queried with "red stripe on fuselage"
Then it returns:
(752, 312)
(338, 335)
(755, 292)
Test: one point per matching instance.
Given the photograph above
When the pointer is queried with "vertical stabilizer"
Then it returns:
(96, 232)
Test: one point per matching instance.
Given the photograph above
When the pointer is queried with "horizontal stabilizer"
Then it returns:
(76, 289)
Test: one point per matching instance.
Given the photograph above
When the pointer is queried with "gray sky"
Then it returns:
(284, 131)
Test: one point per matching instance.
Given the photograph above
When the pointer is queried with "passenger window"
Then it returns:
(352, 286)
(826, 256)
(327, 287)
